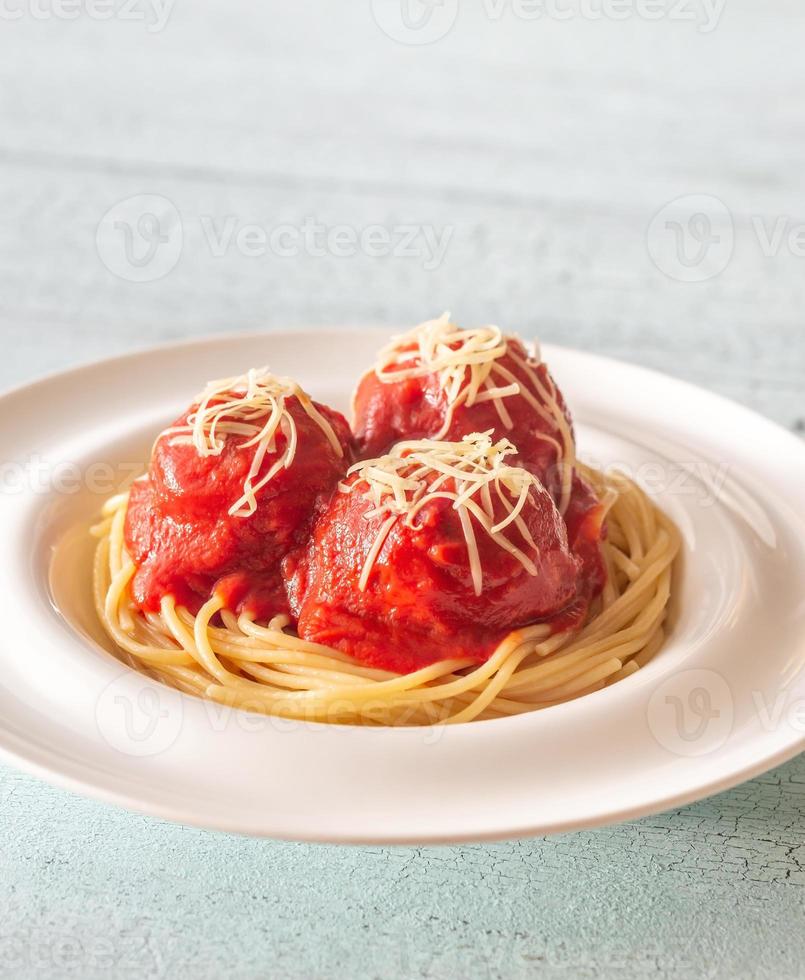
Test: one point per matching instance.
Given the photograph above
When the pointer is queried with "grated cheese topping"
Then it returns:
(253, 406)
(474, 474)
(467, 363)
(463, 359)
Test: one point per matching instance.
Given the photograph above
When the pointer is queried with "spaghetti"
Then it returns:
(263, 666)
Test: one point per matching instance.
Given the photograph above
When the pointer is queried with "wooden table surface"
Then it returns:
(525, 160)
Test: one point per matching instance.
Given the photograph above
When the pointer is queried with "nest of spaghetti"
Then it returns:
(444, 559)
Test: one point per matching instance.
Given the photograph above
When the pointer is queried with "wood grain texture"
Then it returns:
(545, 148)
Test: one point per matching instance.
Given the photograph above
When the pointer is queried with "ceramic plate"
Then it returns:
(723, 700)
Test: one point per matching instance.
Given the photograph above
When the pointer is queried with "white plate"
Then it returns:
(722, 702)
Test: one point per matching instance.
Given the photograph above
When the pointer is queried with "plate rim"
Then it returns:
(89, 790)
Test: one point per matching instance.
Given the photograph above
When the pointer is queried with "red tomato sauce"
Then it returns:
(185, 543)
(419, 605)
(416, 408)
(302, 551)
(584, 520)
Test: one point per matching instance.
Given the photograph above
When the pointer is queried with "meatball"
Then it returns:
(435, 551)
(442, 382)
(232, 488)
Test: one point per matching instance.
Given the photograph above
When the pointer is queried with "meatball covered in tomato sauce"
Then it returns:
(232, 488)
(442, 382)
(433, 552)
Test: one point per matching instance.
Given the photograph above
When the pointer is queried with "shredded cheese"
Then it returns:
(467, 363)
(253, 406)
(474, 474)
(463, 360)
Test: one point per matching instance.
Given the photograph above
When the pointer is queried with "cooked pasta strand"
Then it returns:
(267, 668)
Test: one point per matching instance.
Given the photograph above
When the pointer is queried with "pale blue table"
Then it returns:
(539, 151)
